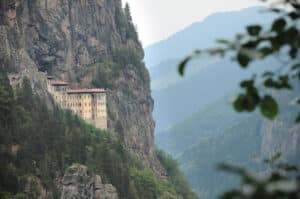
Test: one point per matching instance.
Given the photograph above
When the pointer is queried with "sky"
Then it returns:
(158, 19)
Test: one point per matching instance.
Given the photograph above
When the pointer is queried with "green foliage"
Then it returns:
(125, 56)
(124, 23)
(6, 195)
(254, 30)
(281, 39)
(105, 76)
(269, 107)
(6, 100)
(150, 187)
(127, 12)
(48, 142)
(146, 182)
(171, 167)
(131, 32)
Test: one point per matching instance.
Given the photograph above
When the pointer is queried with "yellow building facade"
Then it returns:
(89, 104)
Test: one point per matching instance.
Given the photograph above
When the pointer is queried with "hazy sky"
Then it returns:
(158, 19)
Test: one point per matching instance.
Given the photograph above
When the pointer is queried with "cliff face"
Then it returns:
(287, 143)
(282, 135)
(75, 41)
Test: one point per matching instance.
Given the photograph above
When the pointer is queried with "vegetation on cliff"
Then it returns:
(43, 143)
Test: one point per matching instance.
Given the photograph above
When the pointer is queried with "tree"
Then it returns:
(128, 13)
(131, 31)
(282, 41)
(6, 100)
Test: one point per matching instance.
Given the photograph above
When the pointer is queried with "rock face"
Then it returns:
(282, 135)
(34, 188)
(272, 142)
(78, 183)
(72, 40)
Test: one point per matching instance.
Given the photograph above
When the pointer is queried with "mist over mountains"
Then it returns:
(204, 34)
(195, 121)
(208, 78)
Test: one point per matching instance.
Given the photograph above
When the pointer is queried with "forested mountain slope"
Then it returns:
(54, 154)
(218, 134)
(89, 44)
(195, 121)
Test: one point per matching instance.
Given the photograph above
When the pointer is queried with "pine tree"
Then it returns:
(131, 32)
(128, 13)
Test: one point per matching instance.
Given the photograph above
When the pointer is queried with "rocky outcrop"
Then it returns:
(33, 188)
(78, 183)
(73, 40)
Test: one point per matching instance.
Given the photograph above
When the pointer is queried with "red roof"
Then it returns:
(85, 90)
(58, 83)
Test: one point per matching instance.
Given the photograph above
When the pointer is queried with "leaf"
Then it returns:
(291, 35)
(243, 59)
(287, 167)
(251, 44)
(269, 107)
(238, 103)
(254, 30)
(268, 74)
(294, 15)
(298, 118)
(275, 10)
(246, 102)
(293, 52)
(296, 66)
(279, 25)
(223, 41)
(197, 52)
(247, 83)
(182, 65)
(295, 5)
(281, 83)
(265, 51)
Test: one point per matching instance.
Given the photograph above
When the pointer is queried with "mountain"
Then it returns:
(194, 118)
(204, 34)
(205, 80)
(89, 44)
(218, 134)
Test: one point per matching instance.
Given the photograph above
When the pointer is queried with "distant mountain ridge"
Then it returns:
(218, 134)
(204, 34)
(196, 124)
(163, 58)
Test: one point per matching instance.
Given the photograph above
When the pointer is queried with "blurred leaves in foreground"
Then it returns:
(281, 182)
(281, 40)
